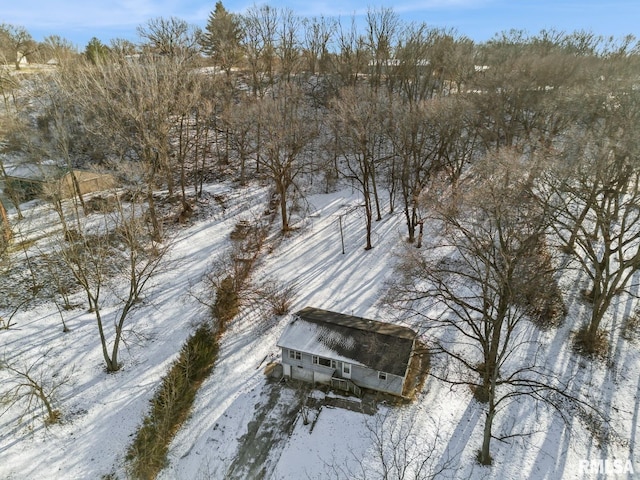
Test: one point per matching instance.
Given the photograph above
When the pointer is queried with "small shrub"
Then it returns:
(227, 302)
(54, 417)
(101, 204)
(241, 230)
(277, 296)
(631, 327)
(34, 388)
(547, 309)
(72, 235)
(541, 295)
(249, 235)
(591, 346)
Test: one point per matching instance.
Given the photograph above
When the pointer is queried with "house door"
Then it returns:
(346, 370)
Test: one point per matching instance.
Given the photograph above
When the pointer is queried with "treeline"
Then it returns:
(398, 108)
(392, 107)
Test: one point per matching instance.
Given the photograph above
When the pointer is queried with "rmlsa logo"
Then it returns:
(606, 467)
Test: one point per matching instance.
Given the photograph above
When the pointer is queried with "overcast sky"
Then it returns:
(79, 20)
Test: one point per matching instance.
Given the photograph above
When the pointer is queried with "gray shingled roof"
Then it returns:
(377, 345)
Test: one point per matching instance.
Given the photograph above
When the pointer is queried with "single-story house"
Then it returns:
(348, 352)
(29, 181)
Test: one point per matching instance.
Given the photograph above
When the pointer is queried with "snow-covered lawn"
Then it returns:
(102, 411)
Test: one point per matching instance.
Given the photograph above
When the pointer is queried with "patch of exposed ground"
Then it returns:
(266, 436)
(274, 420)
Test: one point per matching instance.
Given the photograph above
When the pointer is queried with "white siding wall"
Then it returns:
(305, 369)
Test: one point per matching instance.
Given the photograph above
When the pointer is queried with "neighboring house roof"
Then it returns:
(59, 181)
(377, 345)
(35, 173)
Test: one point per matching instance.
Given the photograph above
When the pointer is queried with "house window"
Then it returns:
(325, 362)
(382, 376)
(346, 368)
(295, 355)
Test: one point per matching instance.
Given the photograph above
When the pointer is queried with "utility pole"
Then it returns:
(341, 234)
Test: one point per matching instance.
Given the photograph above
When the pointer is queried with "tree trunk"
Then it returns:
(182, 152)
(157, 233)
(7, 233)
(103, 339)
(114, 365)
(392, 187)
(420, 232)
(77, 191)
(576, 228)
(601, 301)
(375, 193)
(411, 228)
(243, 166)
(200, 181)
(369, 216)
(484, 456)
(491, 375)
(283, 208)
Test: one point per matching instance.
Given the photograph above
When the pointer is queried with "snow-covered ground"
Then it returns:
(102, 411)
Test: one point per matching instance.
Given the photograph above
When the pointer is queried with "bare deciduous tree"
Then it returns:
(134, 107)
(595, 191)
(288, 43)
(171, 37)
(113, 257)
(318, 33)
(259, 25)
(16, 44)
(58, 49)
(352, 57)
(358, 125)
(239, 122)
(399, 451)
(380, 41)
(31, 386)
(429, 138)
(286, 132)
(474, 280)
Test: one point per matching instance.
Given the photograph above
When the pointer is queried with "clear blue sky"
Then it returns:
(79, 20)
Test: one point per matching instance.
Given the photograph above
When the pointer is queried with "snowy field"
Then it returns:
(100, 411)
